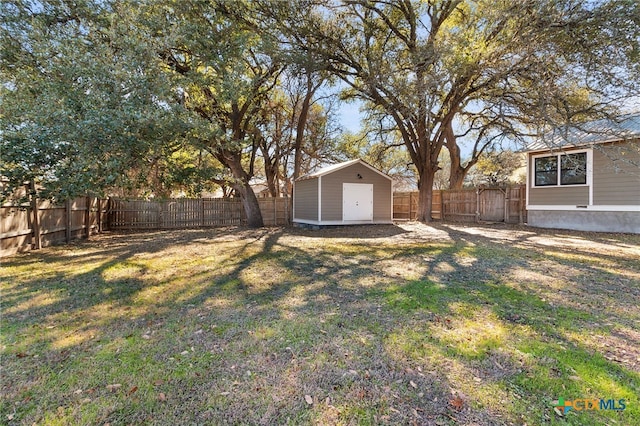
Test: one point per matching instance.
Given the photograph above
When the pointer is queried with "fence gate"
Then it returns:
(491, 204)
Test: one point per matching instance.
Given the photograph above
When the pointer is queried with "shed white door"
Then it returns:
(357, 201)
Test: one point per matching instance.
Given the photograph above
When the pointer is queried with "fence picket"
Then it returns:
(465, 205)
(42, 223)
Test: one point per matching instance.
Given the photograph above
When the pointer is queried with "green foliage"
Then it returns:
(103, 94)
(475, 71)
(81, 103)
(375, 149)
(498, 168)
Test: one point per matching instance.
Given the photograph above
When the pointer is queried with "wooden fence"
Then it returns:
(184, 213)
(42, 223)
(405, 205)
(467, 205)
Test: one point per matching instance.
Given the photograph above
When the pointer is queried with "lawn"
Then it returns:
(408, 324)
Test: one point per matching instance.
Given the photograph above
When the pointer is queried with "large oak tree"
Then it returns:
(440, 69)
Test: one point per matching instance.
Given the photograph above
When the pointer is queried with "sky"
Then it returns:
(350, 116)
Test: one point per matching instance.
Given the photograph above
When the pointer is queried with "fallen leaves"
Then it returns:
(309, 399)
(457, 403)
(114, 387)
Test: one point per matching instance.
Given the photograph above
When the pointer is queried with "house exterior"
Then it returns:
(348, 193)
(587, 179)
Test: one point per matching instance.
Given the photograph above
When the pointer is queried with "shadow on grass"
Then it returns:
(557, 363)
(243, 333)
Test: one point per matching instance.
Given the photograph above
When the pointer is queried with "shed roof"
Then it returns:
(335, 167)
(592, 132)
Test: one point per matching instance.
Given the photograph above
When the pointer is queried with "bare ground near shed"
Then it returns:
(410, 323)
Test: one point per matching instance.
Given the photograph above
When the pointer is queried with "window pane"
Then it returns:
(546, 171)
(574, 169)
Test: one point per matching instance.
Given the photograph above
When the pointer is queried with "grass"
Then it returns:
(380, 325)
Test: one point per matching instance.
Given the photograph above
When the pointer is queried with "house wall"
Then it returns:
(554, 195)
(596, 221)
(305, 199)
(559, 196)
(616, 174)
(332, 192)
(615, 180)
(613, 187)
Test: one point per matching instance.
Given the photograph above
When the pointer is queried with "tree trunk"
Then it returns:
(271, 173)
(425, 194)
(457, 173)
(251, 205)
(243, 188)
(302, 124)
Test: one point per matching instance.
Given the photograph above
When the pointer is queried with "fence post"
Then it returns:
(202, 212)
(478, 205)
(507, 197)
(521, 196)
(108, 213)
(99, 214)
(286, 220)
(67, 219)
(37, 242)
(87, 218)
(410, 205)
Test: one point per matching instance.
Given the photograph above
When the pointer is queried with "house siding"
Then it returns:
(616, 175)
(556, 195)
(306, 199)
(559, 196)
(332, 192)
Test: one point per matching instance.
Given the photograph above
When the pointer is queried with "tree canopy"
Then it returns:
(103, 94)
(439, 71)
(73, 115)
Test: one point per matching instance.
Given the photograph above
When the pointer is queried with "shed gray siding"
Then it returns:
(332, 192)
(616, 175)
(306, 199)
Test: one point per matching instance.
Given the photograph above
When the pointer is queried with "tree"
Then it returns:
(73, 119)
(93, 91)
(536, 65)
(498, 168)
(437, 70)
(295, 129)
(225, 69)
(384, 54)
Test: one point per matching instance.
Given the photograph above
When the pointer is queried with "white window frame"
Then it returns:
(558, 155)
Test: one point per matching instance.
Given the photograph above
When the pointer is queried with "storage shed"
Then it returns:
(587, 179)
(348, 193)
